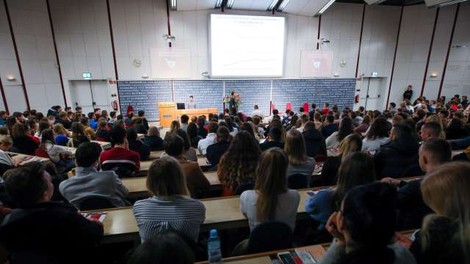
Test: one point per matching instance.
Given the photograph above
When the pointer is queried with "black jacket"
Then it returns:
(215, 151)
(49, 232)
(395, 157)
(314, 142)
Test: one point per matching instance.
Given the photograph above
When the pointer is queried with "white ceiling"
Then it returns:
(296, 7)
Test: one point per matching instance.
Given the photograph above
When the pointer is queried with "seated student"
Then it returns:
(350, 144)
(189, 152)
(6, 162)
(61, 156)
(89, 131)
(64, 120)
(345, 128)
(270, 200)
(215, 151)
(195, 178)
(314, 140)
(201, 131)
(167, 247)
(432, 153)
(103, 132)
(40, 231)
(78, 135)
(138, 125)
(444, 235)
(295, 150)
(170, 207)
(274, 139)
(431, 130)
(193, 136)
(23, 142)
(329, 126)
(61, 135)
(145, 122)
(153, 139)
(175, 125)
(88, 181)
(363, 228)
(402, 152)
(136, 144)
(120, 154)
(237, 167)
(184, 122)
(377, 135)
(356, 169)
(209, 140)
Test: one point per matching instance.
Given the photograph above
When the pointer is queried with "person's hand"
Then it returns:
(403, 240)
(332, 227)
(391, 181)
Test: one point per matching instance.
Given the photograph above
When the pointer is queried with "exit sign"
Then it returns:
(86, 75)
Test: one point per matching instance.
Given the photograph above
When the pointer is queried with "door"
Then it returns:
(90, 94)
(372, 93)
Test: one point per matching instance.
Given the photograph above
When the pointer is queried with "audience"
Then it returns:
(60, 155)
(314, 140)
(274, 139)
(189, 152)
(377, 135)
(170, 207)
(153, 139)
(23, 142)
(209, 140)
(345, 128)
(135, 144)
(88, 181)
(78, 136)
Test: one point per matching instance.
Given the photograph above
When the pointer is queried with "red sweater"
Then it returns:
(117, 154)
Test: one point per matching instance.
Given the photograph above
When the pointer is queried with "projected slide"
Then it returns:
(247, 45)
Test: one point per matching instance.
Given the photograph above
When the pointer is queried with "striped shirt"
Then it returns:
(183, 214)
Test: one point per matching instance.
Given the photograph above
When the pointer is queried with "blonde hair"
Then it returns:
(60, 129)
(295, 148)
(350, 144)
(166, 178)
(6, 138)
(446, 191)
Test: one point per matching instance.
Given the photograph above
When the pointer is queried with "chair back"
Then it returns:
(122, 169)
(94, 203)
(297, 181)
(270, 236)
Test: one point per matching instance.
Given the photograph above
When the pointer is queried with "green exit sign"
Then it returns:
(86, 75)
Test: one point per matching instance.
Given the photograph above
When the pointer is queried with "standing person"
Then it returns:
(145, 122)
(408, 93)
(170, 207)
(191, 103)
(233, 104)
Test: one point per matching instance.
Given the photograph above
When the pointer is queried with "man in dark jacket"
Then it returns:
(314, 140)
(274, 139)
(40, 231)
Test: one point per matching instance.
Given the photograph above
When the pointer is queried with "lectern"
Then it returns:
(167, 113)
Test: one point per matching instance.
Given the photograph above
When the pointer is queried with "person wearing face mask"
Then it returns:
(89, 181)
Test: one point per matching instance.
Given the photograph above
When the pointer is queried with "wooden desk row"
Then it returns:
(138, 184)
(221, 213)
(316, 251)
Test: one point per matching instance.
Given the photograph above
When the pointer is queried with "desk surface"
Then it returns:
(145, 165)
(24, 158)
(221, 213)
(317, 252)
(138, 184)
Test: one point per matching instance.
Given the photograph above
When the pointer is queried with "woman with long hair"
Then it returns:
(346, 128)
(270, 200)
(350, 144)
(170, 207)
(23, 141)
(78, 135)
(377, 135)
(61, 135)
(296, 151)
(356, 169)
(363, 228)
(445, 235)
(238, 165)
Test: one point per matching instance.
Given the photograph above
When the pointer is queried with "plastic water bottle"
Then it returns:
(213, 248)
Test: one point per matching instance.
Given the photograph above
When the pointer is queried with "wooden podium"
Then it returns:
(167, 113)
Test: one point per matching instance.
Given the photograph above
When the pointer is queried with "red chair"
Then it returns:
(306, 107)
(289, 106)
